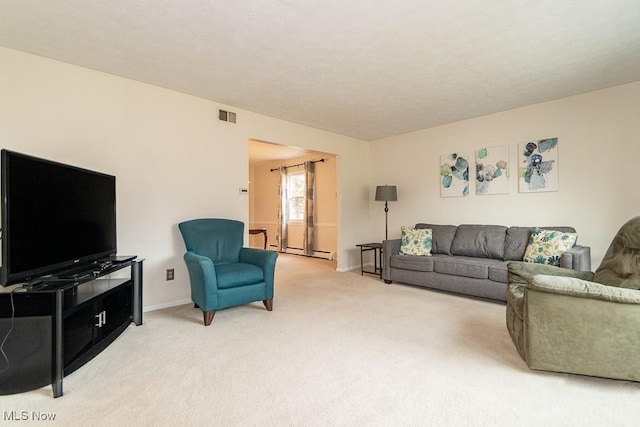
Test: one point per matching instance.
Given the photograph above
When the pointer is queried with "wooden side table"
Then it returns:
(258, 231)
(377, 257)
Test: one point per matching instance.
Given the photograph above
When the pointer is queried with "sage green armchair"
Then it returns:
(222, 273)
(580, 322)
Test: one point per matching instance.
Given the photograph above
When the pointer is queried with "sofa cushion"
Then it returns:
(516, 242)
(411, 262)
(547, 246)
(442, 236)
(477, 268)
(499, 272)
(415, 241)
(518, 239)
(484, 241)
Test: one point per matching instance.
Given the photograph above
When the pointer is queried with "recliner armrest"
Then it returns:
(581, 327)
(520, 272)
(575, 287)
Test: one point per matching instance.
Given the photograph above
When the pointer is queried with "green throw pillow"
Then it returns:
(416, 241)
(547, 246)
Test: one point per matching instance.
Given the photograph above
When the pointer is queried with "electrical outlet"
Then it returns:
(170, 274)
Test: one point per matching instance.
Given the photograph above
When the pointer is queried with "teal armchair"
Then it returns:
(577, 321)
(222, 272)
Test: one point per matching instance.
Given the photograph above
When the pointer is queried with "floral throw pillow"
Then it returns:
(416, 241)
(547, 246)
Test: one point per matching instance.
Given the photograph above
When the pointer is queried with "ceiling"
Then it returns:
(261, 152)
(360, 68)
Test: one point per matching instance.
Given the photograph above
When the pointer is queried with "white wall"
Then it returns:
(599, 150)
(172, 158)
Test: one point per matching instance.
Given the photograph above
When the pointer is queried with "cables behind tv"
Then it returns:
(6, 337)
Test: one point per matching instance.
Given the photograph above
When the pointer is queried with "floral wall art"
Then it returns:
(538, 169)
(492, 170)
(454, 175)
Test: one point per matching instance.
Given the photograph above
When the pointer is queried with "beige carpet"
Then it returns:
(338, 349)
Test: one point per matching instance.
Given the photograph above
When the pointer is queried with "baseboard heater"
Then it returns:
(316, 253)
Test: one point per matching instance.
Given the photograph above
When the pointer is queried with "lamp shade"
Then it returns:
(386, 193)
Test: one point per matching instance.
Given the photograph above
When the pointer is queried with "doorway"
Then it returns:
(278, 181)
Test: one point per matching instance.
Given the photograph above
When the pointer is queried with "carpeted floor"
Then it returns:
(338, 349)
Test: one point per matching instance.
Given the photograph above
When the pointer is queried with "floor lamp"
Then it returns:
(386, 193)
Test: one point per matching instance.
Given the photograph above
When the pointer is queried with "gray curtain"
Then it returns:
(310, 182)
(283, 216)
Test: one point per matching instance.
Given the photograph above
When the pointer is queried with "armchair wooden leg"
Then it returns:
(208, 317)
(268, 304)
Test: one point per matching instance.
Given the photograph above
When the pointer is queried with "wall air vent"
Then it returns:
(227, 116)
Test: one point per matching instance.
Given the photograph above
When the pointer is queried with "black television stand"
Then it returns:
(60, 324)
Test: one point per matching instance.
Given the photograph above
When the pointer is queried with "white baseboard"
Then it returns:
(351, 268)
(166, 305)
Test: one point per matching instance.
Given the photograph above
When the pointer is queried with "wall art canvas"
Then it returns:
(538, 169)
(492, 170)
(454, 175)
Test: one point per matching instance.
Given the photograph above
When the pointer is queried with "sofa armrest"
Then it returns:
(389, 247)
(579, 288)
(577, 258)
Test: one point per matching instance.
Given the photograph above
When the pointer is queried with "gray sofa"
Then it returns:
(470, 259)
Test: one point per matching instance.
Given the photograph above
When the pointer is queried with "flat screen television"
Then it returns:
(55, 217)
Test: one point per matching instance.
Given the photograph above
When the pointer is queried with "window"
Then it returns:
(296, 189)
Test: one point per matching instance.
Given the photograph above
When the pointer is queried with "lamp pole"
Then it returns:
(386, 213)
